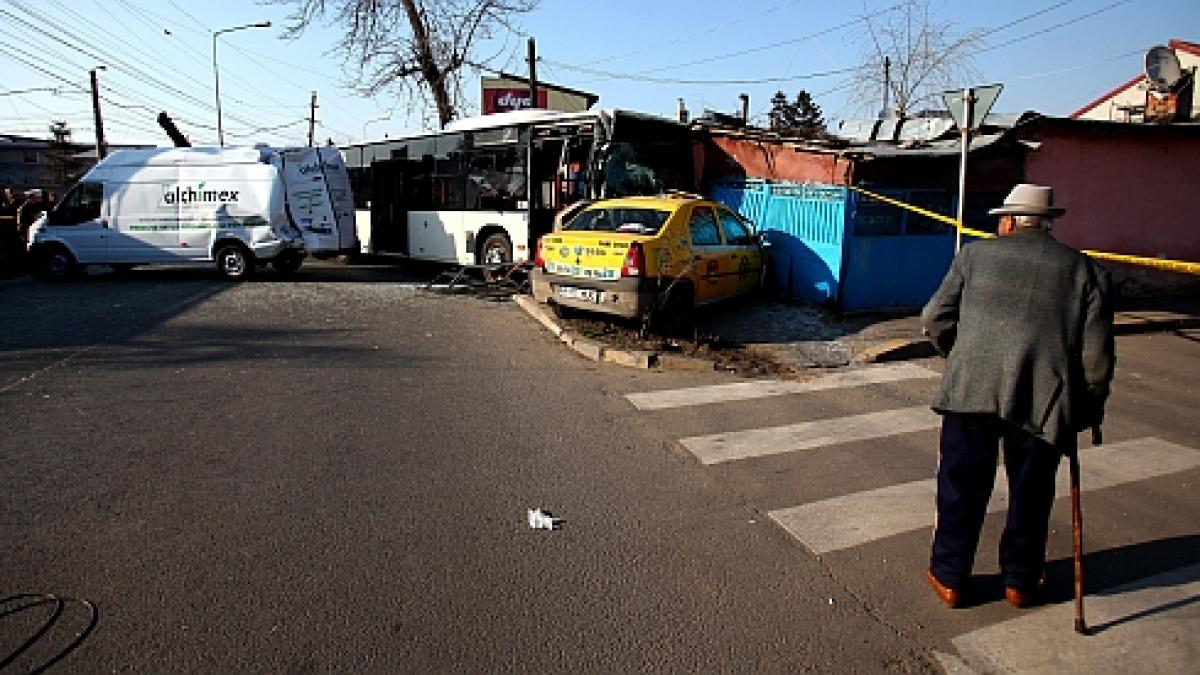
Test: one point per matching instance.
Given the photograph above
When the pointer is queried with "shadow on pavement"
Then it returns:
(1105, 572)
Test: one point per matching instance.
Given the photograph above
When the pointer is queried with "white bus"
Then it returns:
(484, 189)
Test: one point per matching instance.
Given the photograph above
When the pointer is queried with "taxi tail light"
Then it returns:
(635, 261)
(538, 260)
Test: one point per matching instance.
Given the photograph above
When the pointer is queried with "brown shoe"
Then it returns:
(949, 596)
(1018, 598)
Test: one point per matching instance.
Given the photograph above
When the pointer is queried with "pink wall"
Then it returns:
(1132, 193)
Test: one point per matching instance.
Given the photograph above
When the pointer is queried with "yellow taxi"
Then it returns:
(635, 257)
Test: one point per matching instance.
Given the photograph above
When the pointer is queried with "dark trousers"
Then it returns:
(966, 474)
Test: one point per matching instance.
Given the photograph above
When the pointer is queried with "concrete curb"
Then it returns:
(590, 349)
(1129, 323)
(899, 349)
(896, 349)
(1124, 323)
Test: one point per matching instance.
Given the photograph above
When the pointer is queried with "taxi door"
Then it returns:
(745, 252)
(710, 257)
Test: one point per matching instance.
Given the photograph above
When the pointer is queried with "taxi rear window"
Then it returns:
(623, 219)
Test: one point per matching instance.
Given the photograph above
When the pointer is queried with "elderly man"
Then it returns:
(1026, 325)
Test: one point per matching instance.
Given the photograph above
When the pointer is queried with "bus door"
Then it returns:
(389, 216)
(572, 170)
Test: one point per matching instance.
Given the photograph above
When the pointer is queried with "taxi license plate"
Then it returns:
(581, 294)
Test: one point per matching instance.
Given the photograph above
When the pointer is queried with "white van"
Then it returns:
(235, 207)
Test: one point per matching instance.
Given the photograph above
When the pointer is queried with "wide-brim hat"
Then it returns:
(1029, 200)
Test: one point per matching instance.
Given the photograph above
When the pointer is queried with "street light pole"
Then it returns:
(217, 73)
(370, 122)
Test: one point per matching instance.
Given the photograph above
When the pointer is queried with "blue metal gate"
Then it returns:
(803, 226)
(832, 246)
(895, 258)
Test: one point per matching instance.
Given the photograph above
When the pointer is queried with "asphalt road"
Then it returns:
(331, 472)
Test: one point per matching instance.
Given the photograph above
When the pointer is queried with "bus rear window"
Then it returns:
(627, 220)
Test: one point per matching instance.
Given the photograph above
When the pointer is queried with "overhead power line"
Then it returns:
(667, 80)
(78, 43)
(1056, 26)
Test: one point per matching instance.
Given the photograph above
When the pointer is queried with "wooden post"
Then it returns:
(101, 146)
(533, 101)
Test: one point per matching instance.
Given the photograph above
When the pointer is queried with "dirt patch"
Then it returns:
(724, 354)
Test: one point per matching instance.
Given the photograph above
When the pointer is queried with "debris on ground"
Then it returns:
(542, 520)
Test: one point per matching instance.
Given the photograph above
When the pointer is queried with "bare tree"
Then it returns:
(923, 55)
(420, 47)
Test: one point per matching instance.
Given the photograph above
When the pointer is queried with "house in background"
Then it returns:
(27, 163)
(1141, 100)
(835, 246)
(1127, 188)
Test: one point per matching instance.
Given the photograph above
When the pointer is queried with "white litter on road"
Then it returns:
(541, 520)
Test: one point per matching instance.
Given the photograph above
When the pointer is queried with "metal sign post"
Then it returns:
(968, 116)
(968, 107)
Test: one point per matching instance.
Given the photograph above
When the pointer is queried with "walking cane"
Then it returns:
(1077, 532)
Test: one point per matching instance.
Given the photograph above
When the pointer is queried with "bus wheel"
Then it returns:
(496, 250)
(287, 261)
(54, 263)
(234, 262)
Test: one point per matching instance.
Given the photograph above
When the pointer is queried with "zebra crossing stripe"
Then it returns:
(726, 447)
(742, 391)
(851, 520)
(1147, 626)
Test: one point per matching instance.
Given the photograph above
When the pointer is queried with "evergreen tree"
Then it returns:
(808, 116)
(801, 117)
(64, 167)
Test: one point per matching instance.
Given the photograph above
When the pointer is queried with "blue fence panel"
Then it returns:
(804, 226)
(895, 258)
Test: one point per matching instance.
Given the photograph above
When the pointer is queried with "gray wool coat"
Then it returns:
(1026, 324)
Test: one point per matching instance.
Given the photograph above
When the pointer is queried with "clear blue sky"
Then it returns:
(158, 56)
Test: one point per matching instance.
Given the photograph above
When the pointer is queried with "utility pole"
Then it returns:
(887, 84)
(312, 119)
(101, 146)
(533, 101)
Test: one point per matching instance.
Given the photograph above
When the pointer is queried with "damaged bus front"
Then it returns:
(484, 189)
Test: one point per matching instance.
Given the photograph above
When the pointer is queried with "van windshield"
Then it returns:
(620, 219)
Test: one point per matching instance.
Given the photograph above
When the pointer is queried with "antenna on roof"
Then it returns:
(1169, 97)
(1162, 68)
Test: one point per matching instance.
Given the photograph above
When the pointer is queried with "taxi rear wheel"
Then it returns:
(676, 314)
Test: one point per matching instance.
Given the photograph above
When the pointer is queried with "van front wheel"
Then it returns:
(234, 262)
(54, 263)
(287, 262)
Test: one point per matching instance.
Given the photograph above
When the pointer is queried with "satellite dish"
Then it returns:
(1162, 68)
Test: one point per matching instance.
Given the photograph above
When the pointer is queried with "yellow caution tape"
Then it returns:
(1156, 263)
(952, 222)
